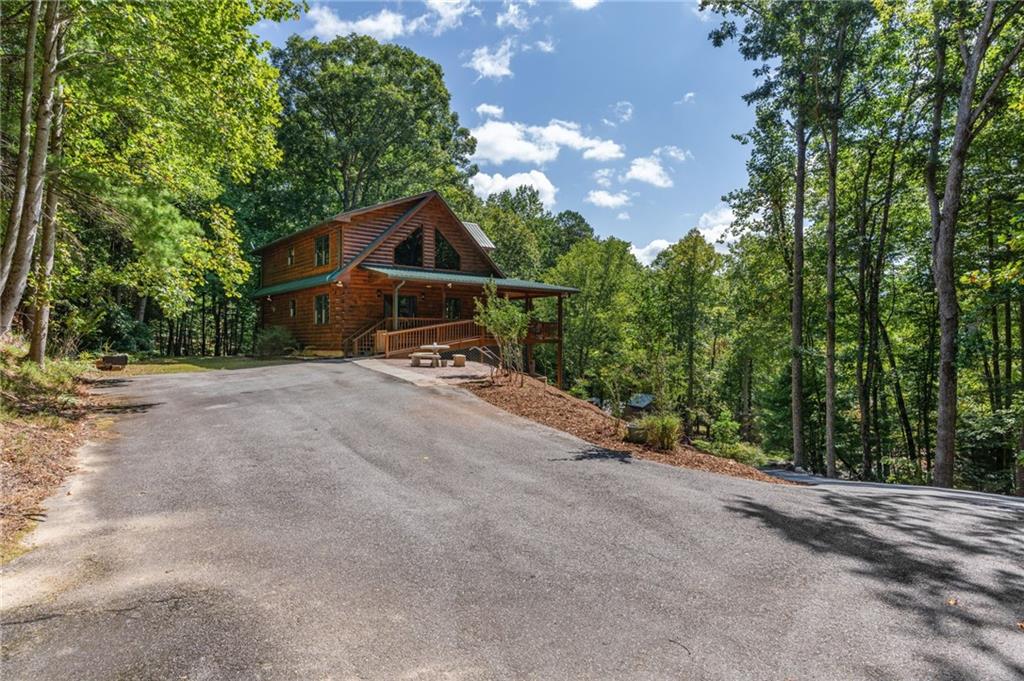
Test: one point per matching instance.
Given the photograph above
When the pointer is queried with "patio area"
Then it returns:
(425, 375)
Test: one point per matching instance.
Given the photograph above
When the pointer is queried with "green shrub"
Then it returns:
(725, 430)
(744, 452)
(273, 341)
(661, 431)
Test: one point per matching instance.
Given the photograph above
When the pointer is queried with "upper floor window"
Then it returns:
(323, 245)
(291, 307)
(323, 309)
(445, 255)
(291, 255)
(410, 251)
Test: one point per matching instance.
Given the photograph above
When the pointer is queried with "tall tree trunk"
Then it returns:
(901, 404)
(945, 209)
(797, 306)
(1008, 354)
(830, 301)
(21, 261)
(928, 392)
(202, 325)
(24, 138)
(997, 366)
(216, 327)
(140, 309)
(44, 266)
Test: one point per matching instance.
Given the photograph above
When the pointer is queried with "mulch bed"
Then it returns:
(546, 404)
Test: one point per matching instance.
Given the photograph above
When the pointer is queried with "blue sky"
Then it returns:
(620, 110)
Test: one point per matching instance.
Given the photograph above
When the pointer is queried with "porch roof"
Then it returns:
(295, 284)
(447, 277)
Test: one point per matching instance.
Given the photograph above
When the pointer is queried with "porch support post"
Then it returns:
(394, 305)
(561, 318)
(528, 350)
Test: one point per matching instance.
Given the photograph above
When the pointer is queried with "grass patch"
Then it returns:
(178, 365)
(43, 420)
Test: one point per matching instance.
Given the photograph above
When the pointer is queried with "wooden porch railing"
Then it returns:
(391, 343)
(403, 323)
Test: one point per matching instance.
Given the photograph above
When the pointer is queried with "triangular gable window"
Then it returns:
(445, 255)
(410, 251)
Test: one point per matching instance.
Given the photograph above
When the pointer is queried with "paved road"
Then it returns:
(323, 521)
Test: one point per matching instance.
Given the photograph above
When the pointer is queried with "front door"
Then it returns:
(406, 306)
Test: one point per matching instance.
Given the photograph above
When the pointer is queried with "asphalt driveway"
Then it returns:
(324, 521)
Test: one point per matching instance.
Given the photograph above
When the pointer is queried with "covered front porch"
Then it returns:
(420, 306)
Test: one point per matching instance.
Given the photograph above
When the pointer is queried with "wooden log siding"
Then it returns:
(275, 268)
(359, 300)
(428, 218)
(275, 312)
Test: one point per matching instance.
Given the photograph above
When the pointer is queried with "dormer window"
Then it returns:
(323, 246)
(445, 255)
(410, 251)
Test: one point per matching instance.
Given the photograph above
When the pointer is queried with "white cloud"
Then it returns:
(603, 177)
(513, 17)
(674, 153)
(622, 112)
(484, 185)
(647, 254)
(604, 199)
(384, 25)
(687, 98)
(498, 142)
(546, 46)
(622, 216)
(496, 64)
(387, 25)
(449, 13)
(490, 110)
(648, 169)
(585, 4)
(702, 15)
(714, 224)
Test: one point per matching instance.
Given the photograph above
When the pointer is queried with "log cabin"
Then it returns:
(386, 279)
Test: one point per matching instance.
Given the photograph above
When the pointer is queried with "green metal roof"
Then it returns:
(295, 284)
(443, 277)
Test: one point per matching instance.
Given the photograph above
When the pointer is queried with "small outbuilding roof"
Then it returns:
(640, 401)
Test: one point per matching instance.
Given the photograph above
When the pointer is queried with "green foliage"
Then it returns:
(364, 122)
(597, 318)
(661, 431)
(506, 321)
(274, 341)
(29, 389)
(725, 430)
(744, 452)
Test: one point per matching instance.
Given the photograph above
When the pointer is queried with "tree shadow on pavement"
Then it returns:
(915, 549)
(599, 454)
